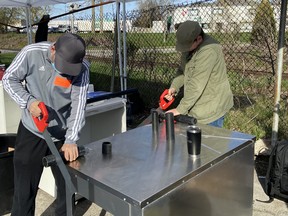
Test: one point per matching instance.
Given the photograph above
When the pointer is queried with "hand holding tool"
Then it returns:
(163, 105)
(42, 123)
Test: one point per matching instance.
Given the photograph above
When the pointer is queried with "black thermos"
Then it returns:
(193, 140)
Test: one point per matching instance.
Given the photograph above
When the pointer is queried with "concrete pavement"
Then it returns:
(276, 208)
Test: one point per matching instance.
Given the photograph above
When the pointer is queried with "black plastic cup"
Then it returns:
(106, 148)
(193, 140)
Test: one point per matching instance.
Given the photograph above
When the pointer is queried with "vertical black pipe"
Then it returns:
(170, 132)
(155, 123)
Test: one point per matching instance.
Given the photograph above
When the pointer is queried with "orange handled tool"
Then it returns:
(164, 103)
(42, 123)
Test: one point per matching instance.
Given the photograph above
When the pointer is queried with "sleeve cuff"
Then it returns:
(67, 141)
(30, 101)
(181, 110)
(176, 89)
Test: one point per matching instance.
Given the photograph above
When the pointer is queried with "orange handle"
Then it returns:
(164, 103)
(42, 122)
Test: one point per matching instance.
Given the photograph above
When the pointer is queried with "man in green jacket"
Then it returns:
(207, 93)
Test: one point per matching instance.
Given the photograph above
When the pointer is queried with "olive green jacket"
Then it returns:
(207, 93)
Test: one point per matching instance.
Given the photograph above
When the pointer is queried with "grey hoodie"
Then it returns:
(64, 96)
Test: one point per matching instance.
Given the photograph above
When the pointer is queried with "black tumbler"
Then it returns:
(106, 148)
(193, 140)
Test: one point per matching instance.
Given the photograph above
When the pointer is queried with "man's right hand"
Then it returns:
(171, 94)
(34, 109)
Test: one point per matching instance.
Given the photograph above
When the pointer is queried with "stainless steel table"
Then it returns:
(103, 118)
(152, 177)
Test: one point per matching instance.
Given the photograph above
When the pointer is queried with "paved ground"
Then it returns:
(276, 208)
(45, 205)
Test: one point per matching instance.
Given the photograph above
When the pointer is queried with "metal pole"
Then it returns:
(124, 47)
(114, 56)
(28, 23)
(119, 45)
(101, 17)
(72, 24)
(281, 44)
(93, 17)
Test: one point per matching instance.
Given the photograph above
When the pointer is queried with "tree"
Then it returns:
(12, 16)
(8, 16)
(36, 13)
(148, 4)
(264, 32)
(264, 25)
(149, 11)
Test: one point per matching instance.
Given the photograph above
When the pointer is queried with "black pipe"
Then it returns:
(155, 122)
(50, 160)
(185, 119)
(181, 118)
(170, 132)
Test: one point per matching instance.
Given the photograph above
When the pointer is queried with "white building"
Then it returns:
(216, 17)
(86, 25)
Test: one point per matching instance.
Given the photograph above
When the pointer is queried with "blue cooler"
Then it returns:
(96, 94)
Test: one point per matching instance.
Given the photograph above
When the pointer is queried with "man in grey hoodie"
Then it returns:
(58, 75)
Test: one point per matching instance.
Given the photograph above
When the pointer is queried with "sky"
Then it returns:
(60, 8)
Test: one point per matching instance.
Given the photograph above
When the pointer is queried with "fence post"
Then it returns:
(279, 72)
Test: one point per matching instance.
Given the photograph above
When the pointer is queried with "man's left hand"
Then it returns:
(70, 151)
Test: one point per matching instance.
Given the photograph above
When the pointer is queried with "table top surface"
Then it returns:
(143, 167)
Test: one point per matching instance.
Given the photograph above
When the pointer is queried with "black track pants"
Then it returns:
(28, 154)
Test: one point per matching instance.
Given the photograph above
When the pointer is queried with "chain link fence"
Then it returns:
(247, 31)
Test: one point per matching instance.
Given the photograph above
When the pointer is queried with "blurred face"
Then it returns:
(196, 43)
(52, 53)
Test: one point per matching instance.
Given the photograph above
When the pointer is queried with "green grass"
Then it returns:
(6, 58)
(254, 118)
(253, 95)
(150, 40)
(253, 107)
